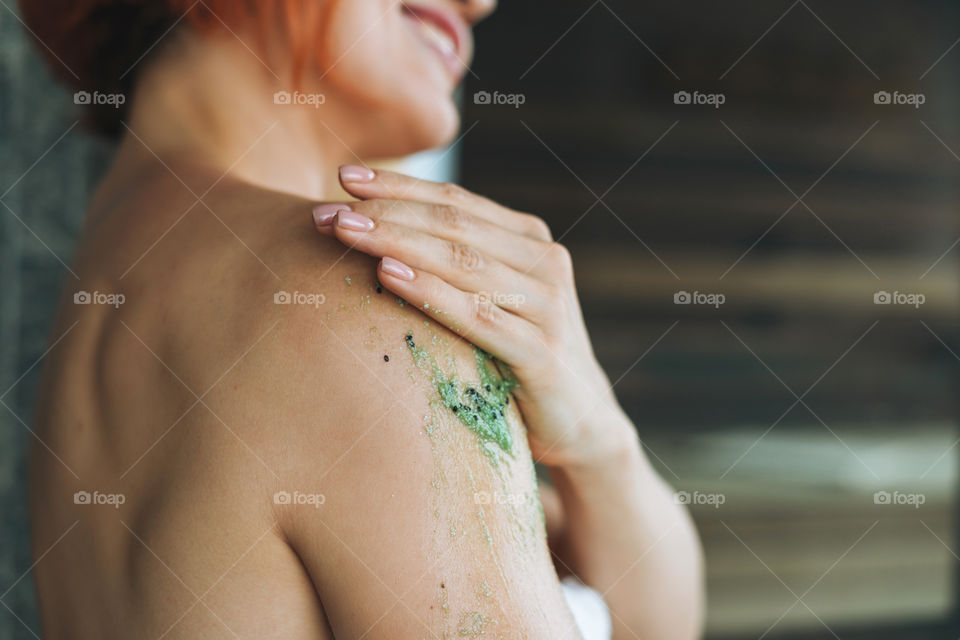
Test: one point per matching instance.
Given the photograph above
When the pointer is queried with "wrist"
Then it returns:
(611, 472)
(607, 439)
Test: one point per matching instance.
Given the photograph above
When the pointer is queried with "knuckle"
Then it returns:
(538, 227)
(465, 257)
(486, 314)
(559, 258)
(453, 193)
(452, 218)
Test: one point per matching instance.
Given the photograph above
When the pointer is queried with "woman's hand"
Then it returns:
(498, 279)
(495, 277)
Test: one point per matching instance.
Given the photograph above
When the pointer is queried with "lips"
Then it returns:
(444, 32)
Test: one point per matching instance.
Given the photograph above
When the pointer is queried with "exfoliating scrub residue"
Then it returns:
(474, 624)
(480, 407)
(489, 515)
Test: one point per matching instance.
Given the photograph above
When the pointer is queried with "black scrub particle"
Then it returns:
(480, 408)
(386, 358)
(379, 289)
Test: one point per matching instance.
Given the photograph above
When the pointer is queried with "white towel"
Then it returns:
(589, 610)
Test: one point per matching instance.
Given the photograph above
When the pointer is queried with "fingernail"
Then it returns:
(354, 173)
(353, 221)
(397, 269)
(323, 214)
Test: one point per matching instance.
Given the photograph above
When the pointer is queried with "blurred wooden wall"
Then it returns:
(697, 198)
(679, 215)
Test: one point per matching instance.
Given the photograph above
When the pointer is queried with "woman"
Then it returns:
(263, 414)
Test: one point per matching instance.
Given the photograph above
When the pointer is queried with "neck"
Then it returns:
(212, 103)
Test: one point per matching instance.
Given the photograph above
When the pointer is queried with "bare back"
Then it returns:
(171, 493)
(148, 483)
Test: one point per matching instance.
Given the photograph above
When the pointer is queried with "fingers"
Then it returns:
(483, 323)
(451, 223)
(368, 184)
(462, 265)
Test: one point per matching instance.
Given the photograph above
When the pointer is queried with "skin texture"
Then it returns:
(294, 470)
(405, 514)
(445, 250)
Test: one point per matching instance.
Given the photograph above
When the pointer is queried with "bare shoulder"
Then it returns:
(387, 449)
(406, 485)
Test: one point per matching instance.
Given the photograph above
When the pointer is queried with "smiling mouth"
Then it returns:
(440, 32)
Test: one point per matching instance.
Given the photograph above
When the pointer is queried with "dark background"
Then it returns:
(696, 198)
(655, 198)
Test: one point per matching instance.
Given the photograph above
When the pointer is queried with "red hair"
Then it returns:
(99, 45)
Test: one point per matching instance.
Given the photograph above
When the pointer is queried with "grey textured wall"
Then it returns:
(46, 172)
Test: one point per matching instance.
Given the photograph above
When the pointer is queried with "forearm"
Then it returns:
(628, 539)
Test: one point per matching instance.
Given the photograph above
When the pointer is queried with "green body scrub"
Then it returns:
(474, 624)
(480, 407)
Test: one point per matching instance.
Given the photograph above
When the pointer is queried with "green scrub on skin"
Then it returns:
(481, 408)
(474, 624)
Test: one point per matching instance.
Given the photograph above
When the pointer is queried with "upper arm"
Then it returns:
(426, 528)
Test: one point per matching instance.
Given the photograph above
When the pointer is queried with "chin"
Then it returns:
(424, 126)
(438, 127)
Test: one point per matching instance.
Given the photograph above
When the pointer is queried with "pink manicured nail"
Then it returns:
(353, 221)
(323, 214)
(354, 173)
(397, 269)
